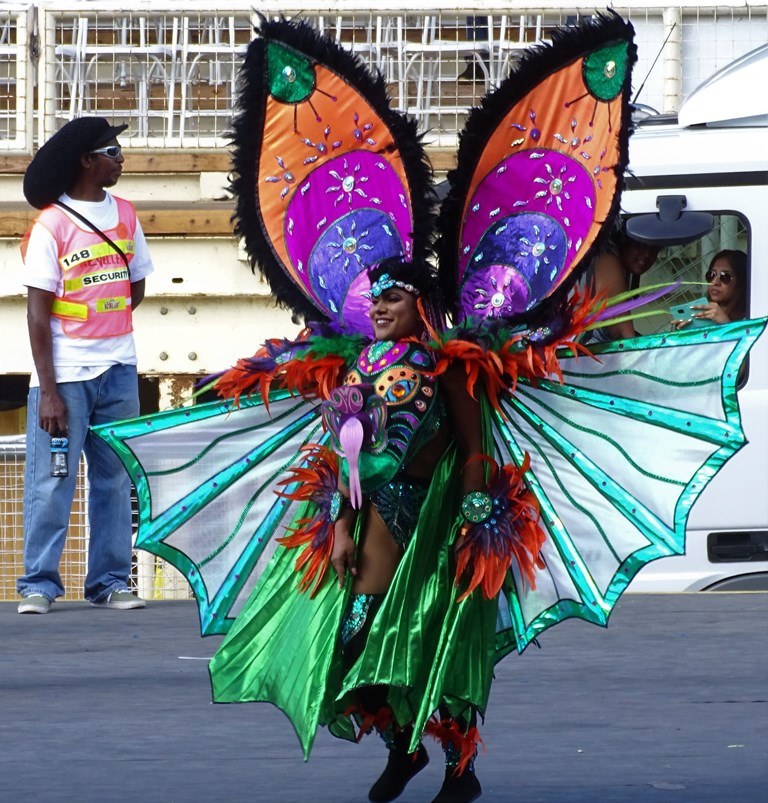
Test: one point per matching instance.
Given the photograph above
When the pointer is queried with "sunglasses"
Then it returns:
(725, 278)
(113, 151)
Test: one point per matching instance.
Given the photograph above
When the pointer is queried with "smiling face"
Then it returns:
(394, 315)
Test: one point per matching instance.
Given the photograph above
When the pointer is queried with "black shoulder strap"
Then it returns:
(97, 230)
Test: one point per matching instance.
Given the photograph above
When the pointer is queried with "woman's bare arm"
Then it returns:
(464, 414)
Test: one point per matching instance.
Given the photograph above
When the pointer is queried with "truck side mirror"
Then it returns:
(670, 225)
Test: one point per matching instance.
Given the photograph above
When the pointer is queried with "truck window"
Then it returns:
(690, 264)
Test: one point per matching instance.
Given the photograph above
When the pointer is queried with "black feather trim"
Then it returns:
(535, 65)
(248, 127)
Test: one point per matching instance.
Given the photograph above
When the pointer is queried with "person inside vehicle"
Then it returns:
(614, 271)
(727, 291)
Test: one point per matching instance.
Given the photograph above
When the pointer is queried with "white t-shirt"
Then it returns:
(79, 359)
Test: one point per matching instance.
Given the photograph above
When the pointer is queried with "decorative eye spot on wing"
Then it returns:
(605, 70)
(290, 74)
(342, 254)
(528, 219)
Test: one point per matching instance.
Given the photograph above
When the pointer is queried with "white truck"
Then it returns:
(713, 158)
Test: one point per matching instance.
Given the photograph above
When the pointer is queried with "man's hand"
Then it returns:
(53, 413)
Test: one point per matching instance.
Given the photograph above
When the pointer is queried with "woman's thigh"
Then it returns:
(378, 556)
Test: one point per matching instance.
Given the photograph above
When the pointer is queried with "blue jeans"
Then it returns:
(110, 396)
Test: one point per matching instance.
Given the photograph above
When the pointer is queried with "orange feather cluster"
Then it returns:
(317, 479)
(485, 552)
(239, 380)
(312, 377)
(448, 733)
(306, 376)
(382, 720)
(499, 369)
(541, 361)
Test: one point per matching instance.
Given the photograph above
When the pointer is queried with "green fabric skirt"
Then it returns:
(285, 647)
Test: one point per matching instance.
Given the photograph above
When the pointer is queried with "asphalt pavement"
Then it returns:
(669, 703)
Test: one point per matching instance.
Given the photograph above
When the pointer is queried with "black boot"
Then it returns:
(401, 767)
(459, 737)
(459, 788)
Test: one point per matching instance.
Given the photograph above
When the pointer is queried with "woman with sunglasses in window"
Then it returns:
(727, 291)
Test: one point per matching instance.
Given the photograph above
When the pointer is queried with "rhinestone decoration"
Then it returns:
(290, 74)
(335, 509)
(476, 507)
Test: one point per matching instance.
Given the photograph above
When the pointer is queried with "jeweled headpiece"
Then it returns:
(384, 282)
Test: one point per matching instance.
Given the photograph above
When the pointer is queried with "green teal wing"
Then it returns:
(619, 454)
(206, 478)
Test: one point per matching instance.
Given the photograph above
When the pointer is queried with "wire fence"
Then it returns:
(151, 577)
(171, 72)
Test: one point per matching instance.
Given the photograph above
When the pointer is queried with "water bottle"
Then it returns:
(59, 457)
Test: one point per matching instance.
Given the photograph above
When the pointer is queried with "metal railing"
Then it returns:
(17, 84)
(171, 71)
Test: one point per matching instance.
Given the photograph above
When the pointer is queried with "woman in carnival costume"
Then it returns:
(410, 441)
(466, 486)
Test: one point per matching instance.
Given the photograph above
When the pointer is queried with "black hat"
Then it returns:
(54, 167)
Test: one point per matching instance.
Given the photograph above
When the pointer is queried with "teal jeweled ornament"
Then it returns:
(291, 75)
(337, 502)
(355, 616)
(476, 506)
(605, 71)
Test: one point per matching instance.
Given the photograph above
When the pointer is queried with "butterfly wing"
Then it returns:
(619, 454)
(329, 178)
(205, 479)
(539, 173)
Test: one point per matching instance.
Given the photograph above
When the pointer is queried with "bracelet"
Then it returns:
(476, 506)
(339, 503)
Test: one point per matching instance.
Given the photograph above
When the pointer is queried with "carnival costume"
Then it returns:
(242, 495)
